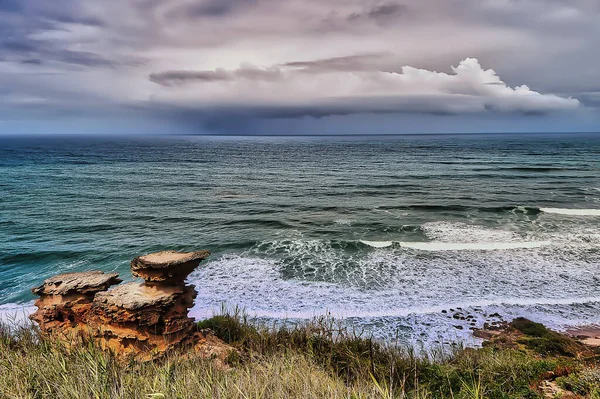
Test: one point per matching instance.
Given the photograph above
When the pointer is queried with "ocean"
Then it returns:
(392, 235)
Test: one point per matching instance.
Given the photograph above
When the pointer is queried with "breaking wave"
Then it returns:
(572, 212)
(481, 246)
(392, 286)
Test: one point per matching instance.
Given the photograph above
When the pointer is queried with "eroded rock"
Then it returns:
(80, 283)
(65, 300)
(148, 318)
(167, 267)
(140, 320)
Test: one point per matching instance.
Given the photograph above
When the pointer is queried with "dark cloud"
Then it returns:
(261, 119)
(414, 104)
(36, 32)
(178, 78)
(381, 13)
(11, 5)
(36, 52)
(316, 58)
(210, 8)
(73, 19)
(358, 62)
(82, 58)
(32, 61)
(16, 46)
(172, 78)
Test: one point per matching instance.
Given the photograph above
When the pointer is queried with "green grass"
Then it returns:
(317, 360)
(542, 340)
(585, 382)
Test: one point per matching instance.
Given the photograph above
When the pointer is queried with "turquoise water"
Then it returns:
(384, 232)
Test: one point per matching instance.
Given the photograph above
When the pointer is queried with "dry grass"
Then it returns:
(317, 360)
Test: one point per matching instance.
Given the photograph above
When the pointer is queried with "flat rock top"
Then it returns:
(132, 296)
(83, 283)
(167, 259)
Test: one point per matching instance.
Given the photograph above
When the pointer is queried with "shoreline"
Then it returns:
(588, 332)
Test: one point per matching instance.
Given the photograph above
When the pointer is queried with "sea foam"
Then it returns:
(378, 244)
(572, 212)
(472, 246)
(390, 288)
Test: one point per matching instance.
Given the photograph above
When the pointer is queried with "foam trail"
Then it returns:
(572, 212)
(199, 311)
(377, 244)
(472, 246)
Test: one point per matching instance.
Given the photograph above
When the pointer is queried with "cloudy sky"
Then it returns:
(299, 66)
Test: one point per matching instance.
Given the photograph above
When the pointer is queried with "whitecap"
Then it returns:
(467, 233)
(378, 244)
(572, 212)
(472, 246)
(343, 222)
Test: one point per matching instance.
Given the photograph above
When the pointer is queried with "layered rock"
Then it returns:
(143, 320)
(150, 317)
(167, 267)
(65, 300)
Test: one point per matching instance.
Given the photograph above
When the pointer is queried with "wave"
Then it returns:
(473, 246)
(534, 169)
(572, 212)
(467, 233)
(391, 291)
(464, 208)
(378, 244)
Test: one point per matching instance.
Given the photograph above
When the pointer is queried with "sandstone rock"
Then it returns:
(65, 300)
(167, 267)
(81, 283)
(135, 296)
(148, 319)
(139, 320)
(147, 311)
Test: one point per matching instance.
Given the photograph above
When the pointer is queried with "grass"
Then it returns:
(542, 340)
(585, 382)
(317, 360)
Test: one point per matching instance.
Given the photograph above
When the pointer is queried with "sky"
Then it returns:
(299, 66)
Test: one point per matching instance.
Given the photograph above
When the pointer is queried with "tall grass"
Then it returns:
(316, 360)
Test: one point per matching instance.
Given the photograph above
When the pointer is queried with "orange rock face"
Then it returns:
(167, 267)
(140, 320)
(65, 300)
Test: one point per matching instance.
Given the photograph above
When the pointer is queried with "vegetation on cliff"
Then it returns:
(315, 360)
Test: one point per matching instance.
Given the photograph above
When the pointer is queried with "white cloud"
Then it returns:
(469, 88)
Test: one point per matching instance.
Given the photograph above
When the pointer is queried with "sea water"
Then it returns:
(392, 235)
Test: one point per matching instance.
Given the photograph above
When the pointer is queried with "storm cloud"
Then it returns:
(204, 61)
(469, 88)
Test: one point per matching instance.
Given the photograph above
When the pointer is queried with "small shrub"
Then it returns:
(542, 340)
(529, 327)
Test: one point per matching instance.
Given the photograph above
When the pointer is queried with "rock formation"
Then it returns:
(140, 320)
(149, 317)
(65, 300)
